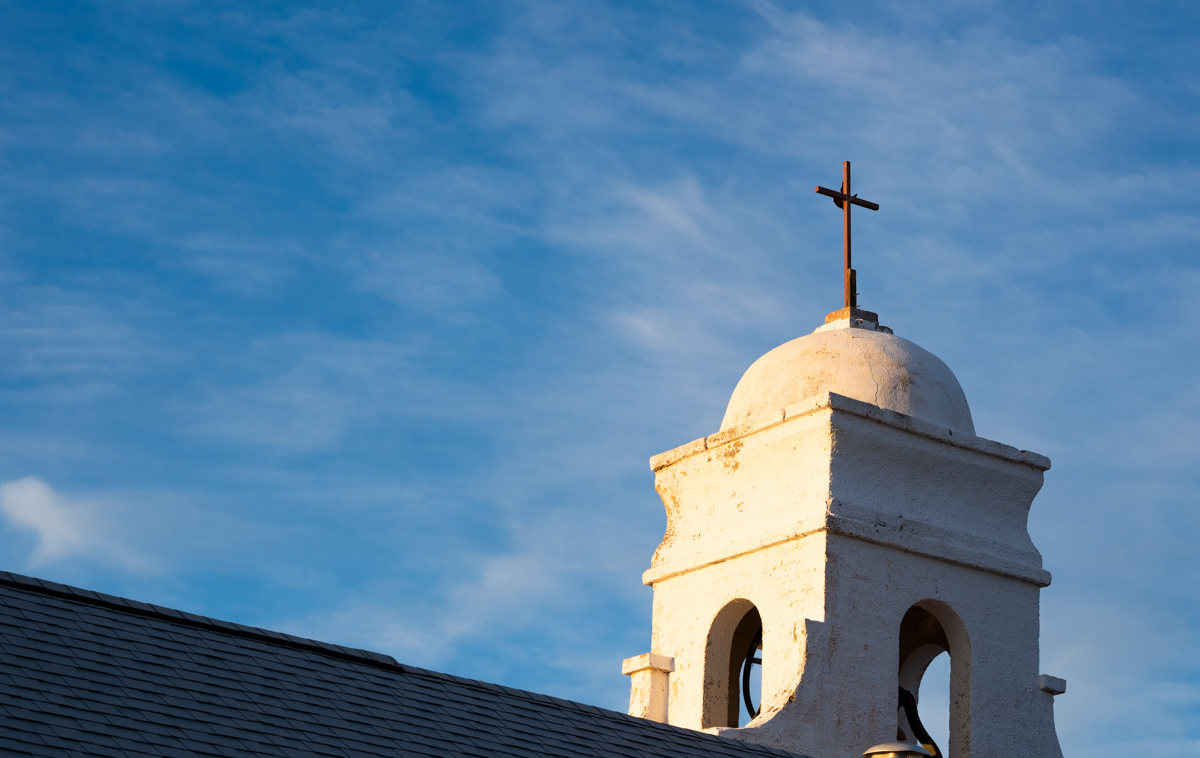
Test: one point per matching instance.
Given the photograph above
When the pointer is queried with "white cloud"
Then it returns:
(65, 527)
(31, 504)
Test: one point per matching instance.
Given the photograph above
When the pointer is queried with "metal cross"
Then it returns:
(844, 200)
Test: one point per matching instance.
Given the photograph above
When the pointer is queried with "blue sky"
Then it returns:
(361, 320)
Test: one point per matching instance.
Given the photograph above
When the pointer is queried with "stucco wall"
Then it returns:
(833, 519)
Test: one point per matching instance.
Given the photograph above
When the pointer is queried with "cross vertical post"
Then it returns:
(848, 273)
(844, 199)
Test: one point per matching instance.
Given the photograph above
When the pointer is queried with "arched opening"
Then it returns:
(733, 666)
(934, 680)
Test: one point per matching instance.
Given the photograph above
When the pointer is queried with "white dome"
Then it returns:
(873, 366)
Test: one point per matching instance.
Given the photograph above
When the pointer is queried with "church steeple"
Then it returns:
(847, 514)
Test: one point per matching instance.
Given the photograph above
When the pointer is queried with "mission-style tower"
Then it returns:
(846, 526)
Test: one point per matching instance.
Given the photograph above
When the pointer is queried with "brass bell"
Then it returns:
(897, 750)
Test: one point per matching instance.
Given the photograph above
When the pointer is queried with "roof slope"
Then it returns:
(88, 674)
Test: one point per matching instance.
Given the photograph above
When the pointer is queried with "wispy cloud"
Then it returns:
(65, 528)
(554, 573)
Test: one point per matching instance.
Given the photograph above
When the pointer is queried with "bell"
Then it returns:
(897, 750)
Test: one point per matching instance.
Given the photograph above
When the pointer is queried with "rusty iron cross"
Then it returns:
(844, 200)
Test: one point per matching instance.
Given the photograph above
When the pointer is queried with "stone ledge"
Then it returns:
(662, 460)
(935, 432)
(652, 661)
(935, 546)
(932, 547)
(862, 409)
(735, 549)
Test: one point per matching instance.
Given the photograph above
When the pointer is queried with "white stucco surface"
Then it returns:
(874, 366)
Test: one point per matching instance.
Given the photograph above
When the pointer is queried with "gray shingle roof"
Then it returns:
(83, 673)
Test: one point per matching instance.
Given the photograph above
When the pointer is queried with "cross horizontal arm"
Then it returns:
(842, 196)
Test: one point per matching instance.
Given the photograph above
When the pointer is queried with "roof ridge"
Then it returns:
(176, 616)
(187, 618)
(355, 655)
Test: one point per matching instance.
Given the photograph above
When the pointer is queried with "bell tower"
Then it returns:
(846, 526)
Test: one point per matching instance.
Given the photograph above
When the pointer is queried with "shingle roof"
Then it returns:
(83, 673)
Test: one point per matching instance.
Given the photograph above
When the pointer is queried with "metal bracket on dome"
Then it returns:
(854, 314)
(854, 318)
